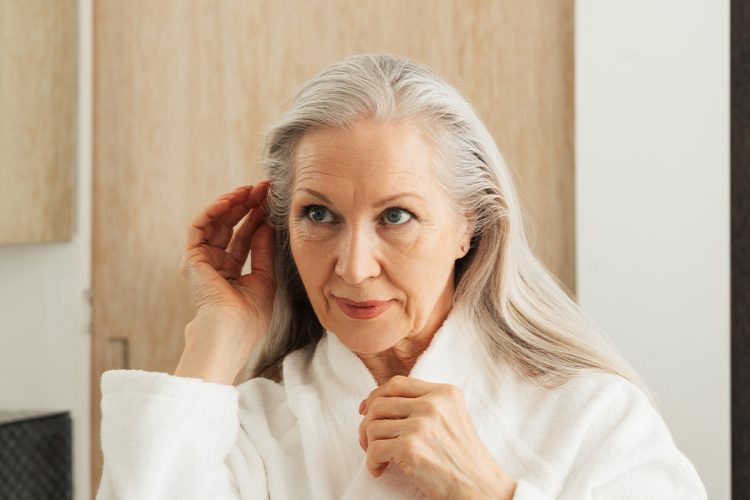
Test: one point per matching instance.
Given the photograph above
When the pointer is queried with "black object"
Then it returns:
(740, 203)
(36, 460)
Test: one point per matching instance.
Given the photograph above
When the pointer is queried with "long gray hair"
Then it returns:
(527, 319)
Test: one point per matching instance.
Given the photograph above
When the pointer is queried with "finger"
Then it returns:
(242, 203)
(401, 386)
(200, 228)
(240, 244)
(381, 429)
(239, 247)
(262, 252)
(224, 225)
(382, 451)
(386, 408)
(261, 241)
(379, 453)
(196, 231)
(239, 207)
(258, 194)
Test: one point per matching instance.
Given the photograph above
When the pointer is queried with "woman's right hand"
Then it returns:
(233, 310)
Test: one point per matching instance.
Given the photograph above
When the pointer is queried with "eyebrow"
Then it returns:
(378, 204)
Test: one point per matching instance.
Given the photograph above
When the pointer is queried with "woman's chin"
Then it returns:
(365, 341)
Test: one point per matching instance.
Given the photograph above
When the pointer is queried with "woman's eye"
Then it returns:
(395, 216)
(315, 213)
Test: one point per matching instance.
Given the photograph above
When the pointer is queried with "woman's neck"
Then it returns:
(398, 360)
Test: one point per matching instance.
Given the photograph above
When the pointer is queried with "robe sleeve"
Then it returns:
(626, 452)
(171, 437)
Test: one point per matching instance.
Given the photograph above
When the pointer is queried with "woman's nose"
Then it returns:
(356, 260)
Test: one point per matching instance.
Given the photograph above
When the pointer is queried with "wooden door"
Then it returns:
(182, 89)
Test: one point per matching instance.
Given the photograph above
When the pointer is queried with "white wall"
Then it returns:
(44, 339)
(652, 202)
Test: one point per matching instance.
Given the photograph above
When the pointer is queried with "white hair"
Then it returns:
(525, 314)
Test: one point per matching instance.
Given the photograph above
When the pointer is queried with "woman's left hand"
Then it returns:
(426, 430)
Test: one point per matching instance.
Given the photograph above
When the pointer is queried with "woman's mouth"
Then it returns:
(363, 310)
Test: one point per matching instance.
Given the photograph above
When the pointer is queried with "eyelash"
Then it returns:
(306, 210)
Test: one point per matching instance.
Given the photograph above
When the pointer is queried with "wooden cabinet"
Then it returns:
(38, 121)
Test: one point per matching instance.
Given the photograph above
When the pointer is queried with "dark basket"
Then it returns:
(35, 455)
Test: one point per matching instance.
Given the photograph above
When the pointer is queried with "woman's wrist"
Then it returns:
(507, 488)
(195, 364)
(498, 486)
(216, 356)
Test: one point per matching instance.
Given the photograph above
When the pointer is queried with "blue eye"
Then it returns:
(393, 216)
(315, 213)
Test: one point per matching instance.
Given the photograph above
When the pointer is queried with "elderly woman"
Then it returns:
(405, 341)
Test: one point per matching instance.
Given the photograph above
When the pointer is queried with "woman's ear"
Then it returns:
(467, 235)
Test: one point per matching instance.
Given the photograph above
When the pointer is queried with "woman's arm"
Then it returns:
(170, 437)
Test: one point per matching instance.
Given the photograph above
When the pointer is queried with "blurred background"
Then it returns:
(119, 120)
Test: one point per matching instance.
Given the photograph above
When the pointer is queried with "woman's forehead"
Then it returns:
(364, 150)
(375, 197)
(333, 173)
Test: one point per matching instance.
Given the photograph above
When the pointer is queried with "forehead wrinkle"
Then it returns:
(311, 181)
(309, 166)
(312, 172)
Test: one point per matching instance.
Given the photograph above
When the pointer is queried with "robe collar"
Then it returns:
(452, 357)
(328, 392)
(448, 359)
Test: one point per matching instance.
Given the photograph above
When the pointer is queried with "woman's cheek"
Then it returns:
(302, 232)
(408, 241)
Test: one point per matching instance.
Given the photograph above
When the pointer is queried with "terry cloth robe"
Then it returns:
(169, 437)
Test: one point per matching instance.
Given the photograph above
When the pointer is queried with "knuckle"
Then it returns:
(186, 261)
(410, 448)
(374, 452)
(453, 392)
(183, 262)
(431, 405)
(371, 431)
(394, 383)
(377, 402)
(372, 462)
(190, 227)
(373, 448)
(420, 425)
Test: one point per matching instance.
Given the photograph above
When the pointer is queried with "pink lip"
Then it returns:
(363, 310)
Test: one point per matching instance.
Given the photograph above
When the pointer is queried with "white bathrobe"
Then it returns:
(168, 437)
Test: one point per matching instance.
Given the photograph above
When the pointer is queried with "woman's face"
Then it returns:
(369, 221)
